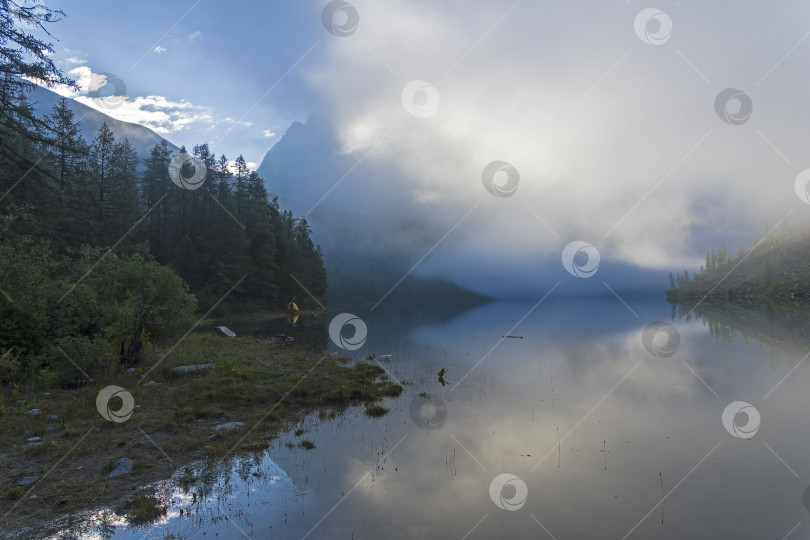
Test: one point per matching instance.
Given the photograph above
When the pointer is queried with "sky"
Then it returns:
(652, 132)
(196, 71)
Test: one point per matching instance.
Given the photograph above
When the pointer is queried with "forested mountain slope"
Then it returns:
(776, 266)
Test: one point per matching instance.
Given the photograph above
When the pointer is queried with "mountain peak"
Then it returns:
(140, 137)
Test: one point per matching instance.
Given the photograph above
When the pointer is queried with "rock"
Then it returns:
(34, 412)
(226, 331)
(131, 370)
(123, 466)
(52, 417)
(229, 425)
(51, 429)
(195, 367)
(27, 480)
(151, 383)
(33, 439)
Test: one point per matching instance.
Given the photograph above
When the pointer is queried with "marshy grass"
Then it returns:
(144, 508)
(376, 411)
(254, 381)
(306, 444)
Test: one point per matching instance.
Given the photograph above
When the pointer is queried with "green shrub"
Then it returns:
(86, 307)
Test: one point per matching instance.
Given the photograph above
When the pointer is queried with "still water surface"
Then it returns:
(601, 438)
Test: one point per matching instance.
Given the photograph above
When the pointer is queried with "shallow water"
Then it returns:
(601, 437)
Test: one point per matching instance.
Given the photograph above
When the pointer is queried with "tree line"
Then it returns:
(776, 266)
(99, 193)
(100, 250)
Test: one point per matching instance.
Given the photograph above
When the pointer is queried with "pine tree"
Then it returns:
(241, 187)
(154, 187)
(22, 57)
(70, 154)
(69, 147)
(124, 199)
(101, 155)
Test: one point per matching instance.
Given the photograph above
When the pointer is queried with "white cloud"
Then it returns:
(606, 131)
(235, 122)
(159, 113)
(251, 165)
(159, 49)
(74, 61)
(194, 35)
(269, 133)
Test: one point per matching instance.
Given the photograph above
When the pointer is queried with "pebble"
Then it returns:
(123, 466)
(195, 367)
(229, 425)
(53, 417)
(33, 439)
(34, 412)
(26, 480)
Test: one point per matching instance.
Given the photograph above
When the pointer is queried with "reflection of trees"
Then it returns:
(780, 328)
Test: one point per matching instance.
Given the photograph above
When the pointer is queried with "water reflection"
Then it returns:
(609, 440)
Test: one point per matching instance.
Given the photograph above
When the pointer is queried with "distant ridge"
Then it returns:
(141, 137)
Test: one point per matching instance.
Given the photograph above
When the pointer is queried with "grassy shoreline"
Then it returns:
(263, 384)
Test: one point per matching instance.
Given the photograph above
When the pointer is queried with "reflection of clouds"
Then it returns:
(88, 525)
(661, 419)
